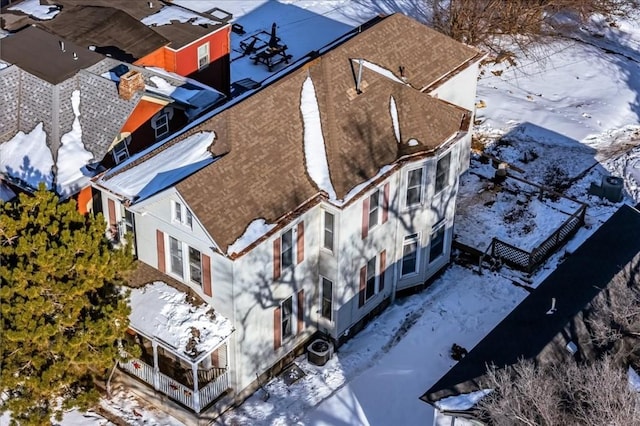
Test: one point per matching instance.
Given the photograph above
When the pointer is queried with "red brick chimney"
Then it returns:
(130, 83)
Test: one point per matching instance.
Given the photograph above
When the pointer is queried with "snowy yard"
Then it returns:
(565, 121)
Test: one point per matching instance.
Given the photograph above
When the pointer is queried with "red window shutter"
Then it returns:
(160, 250)
(277, 327)
(383, 266)
(365, 218)
(300, 311)
(363, 285)
(206, 274)
(276, 258)
(300, 242)
(385, 203)
(112, 212)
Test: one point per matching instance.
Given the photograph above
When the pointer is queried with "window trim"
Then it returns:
(179, 257)
(292, 316)
(191, 280)
(438, 227)
(325, 230)
(375, 195)
(123, 150)
(445, 176)
(408, 240)
(323, 298)
(202, 55)
(158, 127)
(368, 278)
(420, 186)
(291, 250)
(181, 214)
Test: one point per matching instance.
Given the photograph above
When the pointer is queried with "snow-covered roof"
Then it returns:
(36, 10)
(27, 157)
(162, 170)
(172, 13)
(462, 402)
(6, 193)
(254, 231)
(162, 312)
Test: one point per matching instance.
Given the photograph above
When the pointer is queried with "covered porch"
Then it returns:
(183, 349)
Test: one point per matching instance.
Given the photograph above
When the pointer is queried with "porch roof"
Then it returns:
(164, 313)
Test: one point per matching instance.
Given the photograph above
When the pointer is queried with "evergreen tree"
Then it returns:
(62, 307)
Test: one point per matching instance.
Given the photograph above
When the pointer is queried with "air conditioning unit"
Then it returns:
(612, 188)
(319, 352)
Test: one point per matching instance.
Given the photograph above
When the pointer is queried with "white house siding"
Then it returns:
(257, 295)
(461, 90)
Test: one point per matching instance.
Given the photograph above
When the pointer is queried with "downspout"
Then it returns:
(394, 281)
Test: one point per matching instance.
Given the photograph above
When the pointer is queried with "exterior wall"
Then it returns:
(155, 59)
(461, 90)
(9, 99)
(187, 57)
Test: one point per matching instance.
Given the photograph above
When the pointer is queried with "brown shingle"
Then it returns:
(264, 173)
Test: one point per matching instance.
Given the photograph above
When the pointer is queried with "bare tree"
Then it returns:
(568, 394)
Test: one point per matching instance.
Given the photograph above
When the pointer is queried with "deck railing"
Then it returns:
(175, 390)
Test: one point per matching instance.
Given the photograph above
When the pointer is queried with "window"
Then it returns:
(161, 124)
(437, 242)
(374, 208)
(175, 248)
(327, 297)
(410, 255)
(287, 318)
(286, 255)
(182, 214)
(328, 231)
(442, 172)
(414, 187)
(120, 151)
(371, 279)
(203, 55)
(195, 266)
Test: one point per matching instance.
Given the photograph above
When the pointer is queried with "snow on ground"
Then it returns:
(164, 169)
(36, 10)
(27, 157)
(158, 310)
(72, 155)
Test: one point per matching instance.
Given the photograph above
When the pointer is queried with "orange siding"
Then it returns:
(153, 59)
(187, 57)
(84, 200)
(141, 114)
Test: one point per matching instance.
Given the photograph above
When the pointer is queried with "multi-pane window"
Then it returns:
(203, 55)
(175, 249)
(195, 266)
(161, 124)
(182, 214)
(327, 296)
(437, 242)
(286, 254)
(410, 254)
(328, 231)
(414, 187)
(120, 151)
(442, 172)
(370, 288)
(374, 208)
(287, 318)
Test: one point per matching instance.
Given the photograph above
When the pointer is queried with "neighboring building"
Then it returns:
(68, 113)
(309, 205)
(140, 32)
(550, 325)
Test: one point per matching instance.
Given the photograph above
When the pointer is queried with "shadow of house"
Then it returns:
(542, 330)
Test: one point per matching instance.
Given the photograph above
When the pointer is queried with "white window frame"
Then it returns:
(371, 276)
(442, 180)
(161, 124)
(419, 187)
(181, 214)
(190, 266)
(179, 257)
(374, 210)
(328, 247)
(437, 228)
(292, 249)
(324, 298)
(120, 151)
(413, 239)
(184, 249)
(203, 56)
(292, 321)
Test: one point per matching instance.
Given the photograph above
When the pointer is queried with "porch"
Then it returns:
(181, 349)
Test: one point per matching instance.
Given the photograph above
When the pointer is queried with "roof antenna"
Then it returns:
(553, 306)
(359, 79)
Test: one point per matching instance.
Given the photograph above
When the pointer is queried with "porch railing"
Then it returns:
(175, 390)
